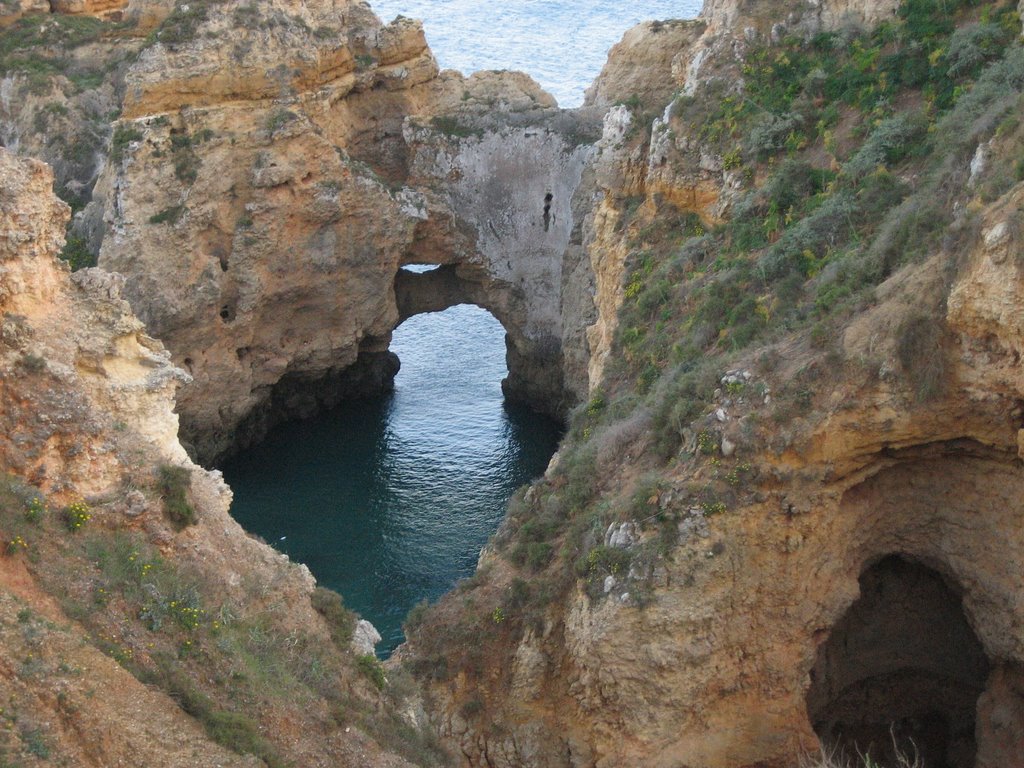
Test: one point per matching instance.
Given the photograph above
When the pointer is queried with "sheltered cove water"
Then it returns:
(388, 500)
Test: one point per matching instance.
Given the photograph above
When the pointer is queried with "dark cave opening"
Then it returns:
(901, 671)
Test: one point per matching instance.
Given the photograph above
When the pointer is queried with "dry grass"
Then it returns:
(834, 757)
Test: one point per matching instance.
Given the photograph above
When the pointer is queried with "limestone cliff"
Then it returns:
(274, 170)
(776, 257)
(111, 597)
(787, 515)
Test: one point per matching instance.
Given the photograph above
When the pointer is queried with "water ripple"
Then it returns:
(388, 500)
(562, 44)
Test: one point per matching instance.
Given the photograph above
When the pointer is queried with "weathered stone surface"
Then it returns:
(515, 187)
(88, 7)
(78, 331)
(11, 12)
(733, 621)
(365, 638)
(86, 410)
(262, 228)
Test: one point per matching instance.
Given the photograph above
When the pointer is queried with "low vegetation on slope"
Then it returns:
(852, 155)
(239, 668)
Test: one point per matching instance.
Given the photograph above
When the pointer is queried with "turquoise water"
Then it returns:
(388, 500)
(562, 43)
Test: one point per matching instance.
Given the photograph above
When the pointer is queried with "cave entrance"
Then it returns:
(902, 670)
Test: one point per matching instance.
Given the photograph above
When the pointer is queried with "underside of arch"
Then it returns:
(535, 365)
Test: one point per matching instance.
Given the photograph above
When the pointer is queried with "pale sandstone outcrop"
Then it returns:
(11, 11)
(263, 226)
(88, 7)
(82, 333)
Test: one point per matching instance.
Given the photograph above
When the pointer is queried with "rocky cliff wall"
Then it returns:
(131, 633)
(717, 604)
(289, 196)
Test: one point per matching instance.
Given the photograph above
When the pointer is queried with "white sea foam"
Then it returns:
(563, 45)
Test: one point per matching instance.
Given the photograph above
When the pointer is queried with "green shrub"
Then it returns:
(806, 242)
(123, 136)
(603, 561)
(169, 215)
(770, 134)
(887, 144)
(186, 166)
(972, 46)
(76, 515)
(181, 26)
(32, 363)
(35, 510)
(38, 45)
(173, 483)
(371, 667)
(341, 622)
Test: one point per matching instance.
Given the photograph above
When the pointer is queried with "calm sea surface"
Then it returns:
(563, 44)
(389, 500)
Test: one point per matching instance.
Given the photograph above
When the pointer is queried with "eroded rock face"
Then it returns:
(515, 187)
(87, 414)
(729, 671)
(261, 211)
(80, 333)
(706, 657)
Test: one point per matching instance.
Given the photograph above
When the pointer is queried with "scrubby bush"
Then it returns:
(233, 730)
(372, 669)
(173, 483)
(123, 136)
(183, 22)
(77, 254)
(341, 622)
(770, 134)
(76, 515)
(887, 144)
(803, 244)
(971, 46)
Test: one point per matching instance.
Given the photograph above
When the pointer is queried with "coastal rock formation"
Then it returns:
(78, 333)
(787, 516)
(829, 554)
(262, 210)
(109, 603)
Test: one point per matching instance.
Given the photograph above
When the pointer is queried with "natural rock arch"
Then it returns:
(534, 364)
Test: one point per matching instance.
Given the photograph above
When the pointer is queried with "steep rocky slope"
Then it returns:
(138, 622)
(776, 257)
(788, 514)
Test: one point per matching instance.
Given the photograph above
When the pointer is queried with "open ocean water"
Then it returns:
(562, 44)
